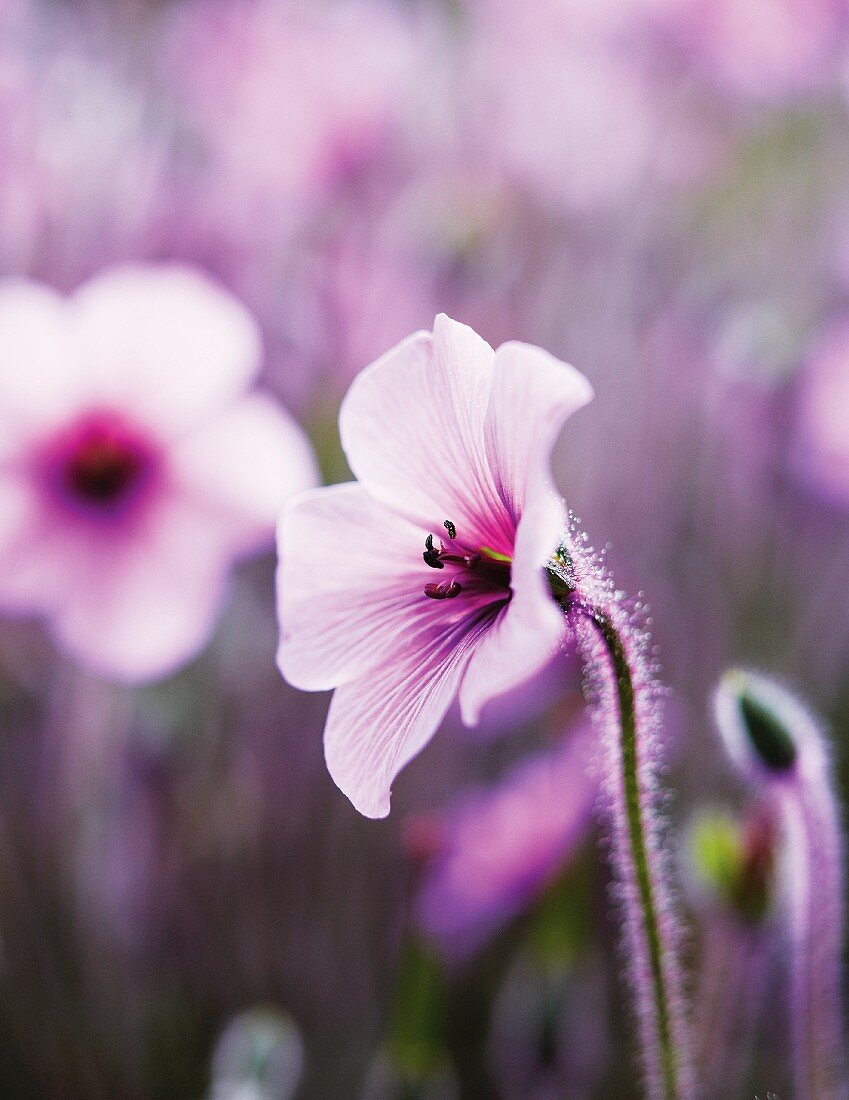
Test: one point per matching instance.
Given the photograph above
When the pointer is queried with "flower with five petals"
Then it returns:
(135, 464)
(426, 578)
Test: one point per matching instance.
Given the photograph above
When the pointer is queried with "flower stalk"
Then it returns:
(626, 701)
(779, 748)
(733, 862)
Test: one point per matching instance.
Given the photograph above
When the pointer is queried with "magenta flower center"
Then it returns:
(100, 465)
(479, 568)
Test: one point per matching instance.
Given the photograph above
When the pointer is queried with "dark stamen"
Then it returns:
(447, 590)
(450, 528)
(431, 554)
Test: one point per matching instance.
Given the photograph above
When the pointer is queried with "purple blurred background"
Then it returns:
(653, 190)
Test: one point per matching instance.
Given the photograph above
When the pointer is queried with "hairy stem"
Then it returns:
(626, 702)
(638, 834)
(813, 850)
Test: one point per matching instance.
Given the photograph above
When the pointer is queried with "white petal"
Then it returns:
(412, 425)
(165, 344)
(378, 723)
(532, 395)
(34, 563)
(350, 587)
(242, 466)
(530, 628)
(41, 368)
(140, 605)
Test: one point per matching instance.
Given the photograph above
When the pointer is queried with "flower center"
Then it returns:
(480, 568)
(100, 464)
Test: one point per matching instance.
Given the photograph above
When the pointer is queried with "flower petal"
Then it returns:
(31, 545)
(141, 605)
(351, 588)
(505, 843)
(242, 466)
(412, 426)
(165, 343)
(378, 723)
(527, 632)
(40, 361)
(532, 395)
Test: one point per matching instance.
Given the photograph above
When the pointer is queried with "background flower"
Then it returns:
(497, 848)
(171, 855)
(135, 468)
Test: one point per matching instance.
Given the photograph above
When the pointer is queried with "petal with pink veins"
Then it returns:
(351, 588)
(533, 394)
(528, 630)
(441, 432)
(412, 426)
(378, 723)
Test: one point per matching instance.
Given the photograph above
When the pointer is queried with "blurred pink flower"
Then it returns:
(450, 442)
(133, 467)
(766, 48)
(286, 97)
(581, 16)
(571, 121)
(822, 444)
(501, 846)
(575, 106)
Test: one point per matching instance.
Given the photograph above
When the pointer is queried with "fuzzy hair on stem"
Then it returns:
(621, 684)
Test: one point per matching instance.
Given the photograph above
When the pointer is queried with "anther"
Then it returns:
(450, 528)
(447, 590)
(431, 554)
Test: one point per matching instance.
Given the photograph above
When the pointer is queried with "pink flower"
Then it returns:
(572, 102)
(767, 48)
(427, 578)
(503, 845)
(286, 98)
(133, 467)
(571, 118)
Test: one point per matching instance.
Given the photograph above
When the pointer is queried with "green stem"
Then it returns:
(634, 813)
(656, 1002)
